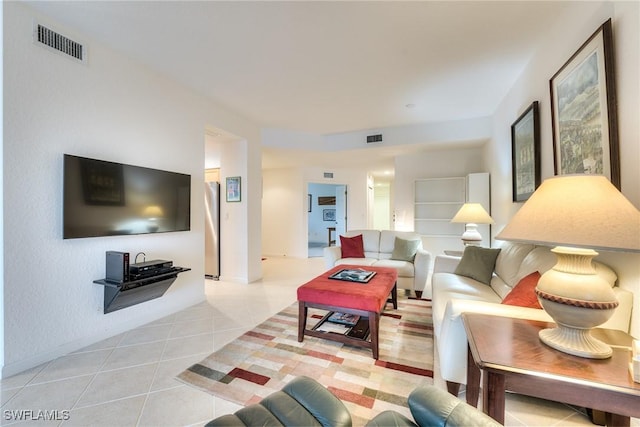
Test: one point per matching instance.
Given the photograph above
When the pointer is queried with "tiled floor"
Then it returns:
(128, 380)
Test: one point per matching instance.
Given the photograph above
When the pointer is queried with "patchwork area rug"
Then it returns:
(264, 359)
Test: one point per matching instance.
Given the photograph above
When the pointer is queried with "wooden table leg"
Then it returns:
(493, 395)
(394, 296)
(617, 420)
(473, 380)
(374, 322)
(302, 319)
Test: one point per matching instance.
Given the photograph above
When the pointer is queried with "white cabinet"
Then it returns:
(438, 199)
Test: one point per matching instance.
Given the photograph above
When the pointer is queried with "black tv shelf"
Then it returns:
(122, 295)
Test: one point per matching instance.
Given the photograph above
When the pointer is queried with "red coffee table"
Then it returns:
(362, 299)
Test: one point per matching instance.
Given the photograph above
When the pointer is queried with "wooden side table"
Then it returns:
(513, 358)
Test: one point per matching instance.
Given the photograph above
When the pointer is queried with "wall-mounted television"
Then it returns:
(104, 198)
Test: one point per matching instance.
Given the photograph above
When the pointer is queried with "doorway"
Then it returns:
(326, 216)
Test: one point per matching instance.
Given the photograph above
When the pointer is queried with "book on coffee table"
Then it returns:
(358, 275)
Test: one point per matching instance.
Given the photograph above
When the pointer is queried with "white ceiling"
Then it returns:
(327, 67)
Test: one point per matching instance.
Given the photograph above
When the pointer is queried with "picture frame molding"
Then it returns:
(531, 118)
(600, 43)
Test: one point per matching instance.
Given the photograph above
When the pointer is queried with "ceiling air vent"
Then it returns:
(57, 42)
(374, 138)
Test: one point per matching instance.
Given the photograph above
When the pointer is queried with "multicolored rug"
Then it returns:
(264, 359)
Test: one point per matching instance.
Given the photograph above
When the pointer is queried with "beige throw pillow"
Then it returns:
(478, 263)
(405, 250)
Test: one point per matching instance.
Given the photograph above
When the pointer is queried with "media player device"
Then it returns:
(117, 267)
(149, 268)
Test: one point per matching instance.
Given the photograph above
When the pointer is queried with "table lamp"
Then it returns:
(577, 214)
(472, 214)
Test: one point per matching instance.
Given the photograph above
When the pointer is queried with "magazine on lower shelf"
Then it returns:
(336, 328)
(358, 275)
(344, 318)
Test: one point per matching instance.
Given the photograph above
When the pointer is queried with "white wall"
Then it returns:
(560, 43)
(284, 206)
(430, 164)
(110, 109)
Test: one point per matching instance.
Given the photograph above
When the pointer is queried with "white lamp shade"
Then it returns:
(472, 213)
(577, 210)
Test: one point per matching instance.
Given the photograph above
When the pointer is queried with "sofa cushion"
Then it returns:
(356, 261)
(540, 259)
(370, 240)
(478, 263)
(405, 250)
(524, 293)
(352, 247)
(509, 260)
(388, 239)
(405, 268)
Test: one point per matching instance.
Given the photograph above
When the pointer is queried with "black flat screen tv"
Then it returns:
(104, 198)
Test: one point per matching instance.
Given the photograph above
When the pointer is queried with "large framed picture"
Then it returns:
(583, 108)
(234, 193)
(525, 153)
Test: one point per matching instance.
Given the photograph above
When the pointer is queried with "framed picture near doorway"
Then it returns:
(328, 214)
(583, 109)
(234, 193)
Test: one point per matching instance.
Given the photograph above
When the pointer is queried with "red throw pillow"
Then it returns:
(523, 294)
(352, 247)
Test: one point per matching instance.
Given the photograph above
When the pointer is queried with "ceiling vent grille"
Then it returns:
(58, 43)
(374, 138)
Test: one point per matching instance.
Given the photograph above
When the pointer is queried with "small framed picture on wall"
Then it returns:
(328, 214)
(234, 193)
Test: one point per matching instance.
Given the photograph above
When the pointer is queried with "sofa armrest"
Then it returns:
(445, 264)
(331, 255)
(421, 265)
(431, 406)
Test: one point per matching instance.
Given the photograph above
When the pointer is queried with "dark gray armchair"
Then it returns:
(305, 402)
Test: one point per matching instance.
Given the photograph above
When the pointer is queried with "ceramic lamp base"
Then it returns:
(577, 299)
(578, 342)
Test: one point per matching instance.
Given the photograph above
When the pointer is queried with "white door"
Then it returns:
(341, 209)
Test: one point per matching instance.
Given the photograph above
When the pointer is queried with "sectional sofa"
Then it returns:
(454, 294)
(380, 248)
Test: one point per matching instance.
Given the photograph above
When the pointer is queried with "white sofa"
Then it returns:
(378, 247)
(454, 295)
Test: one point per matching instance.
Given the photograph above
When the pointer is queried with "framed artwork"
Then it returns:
(525, 153)
(309, 203)
(583, 109)
(234, 193)
(328, 214)
(326, 200)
